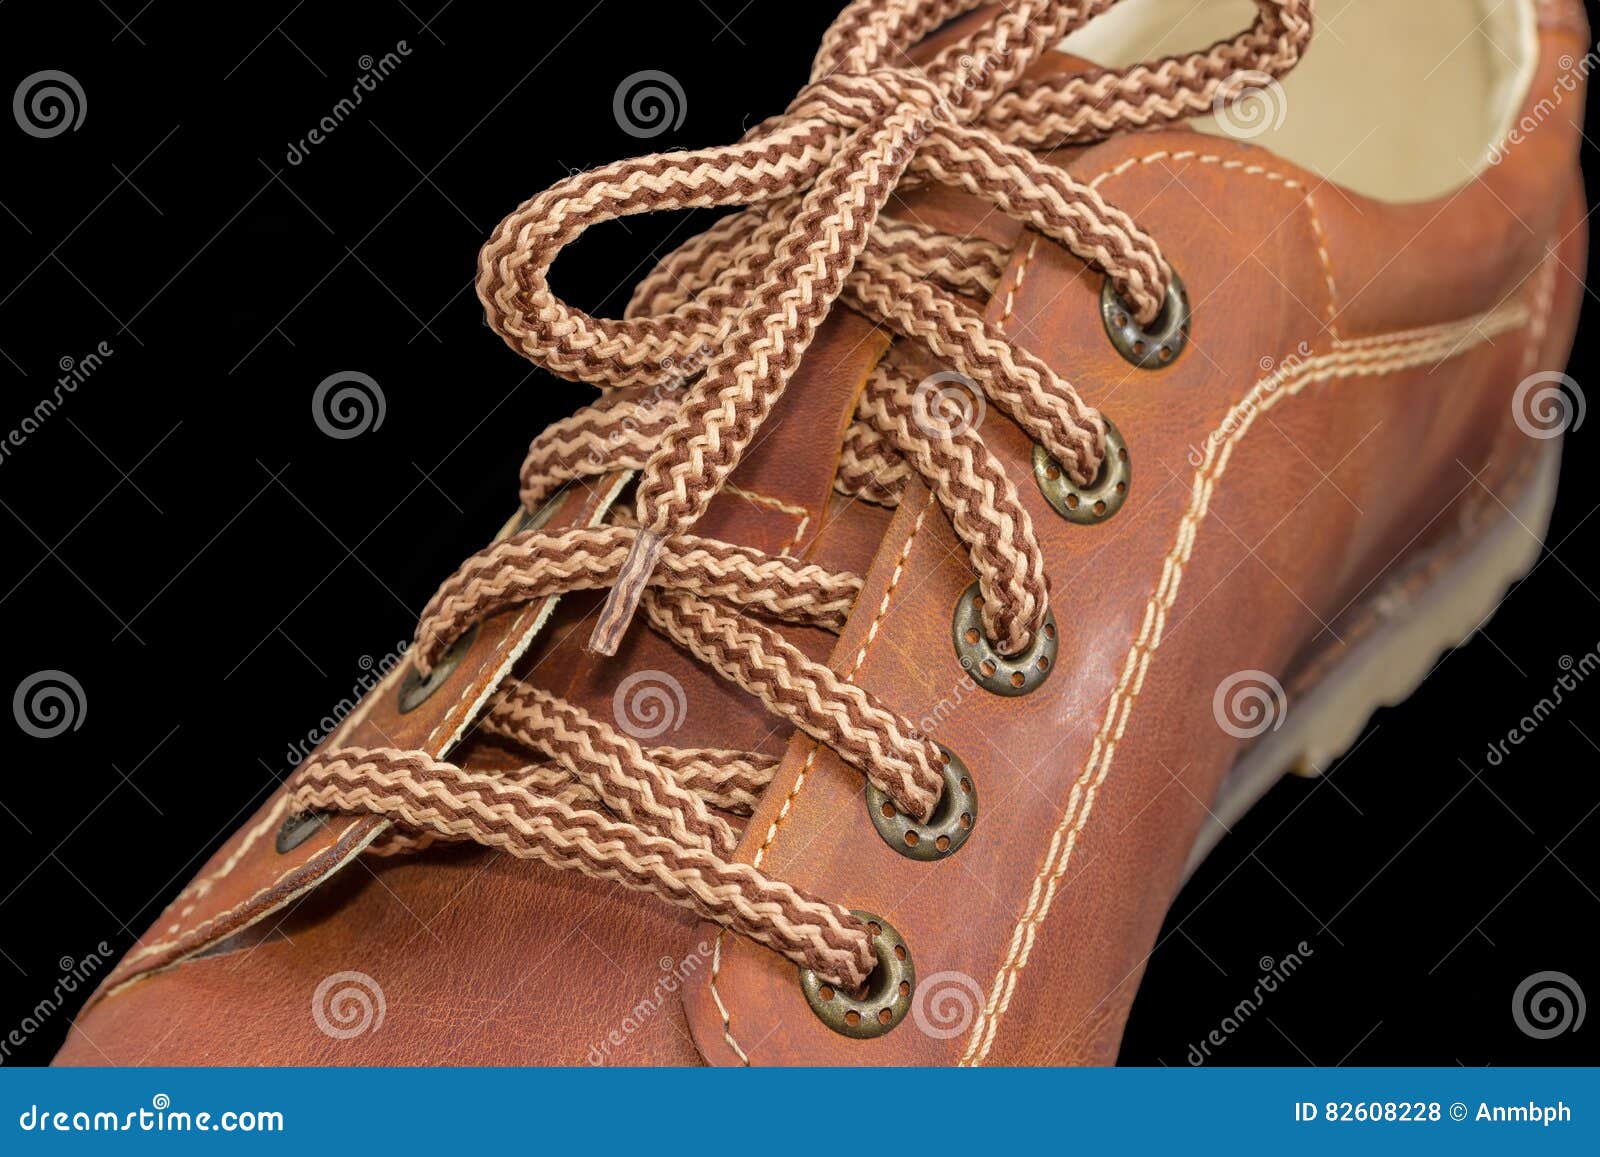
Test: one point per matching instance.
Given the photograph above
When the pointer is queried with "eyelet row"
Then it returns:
(887, 996)
(1152, 348)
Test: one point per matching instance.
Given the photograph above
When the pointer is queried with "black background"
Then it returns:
(216, 572)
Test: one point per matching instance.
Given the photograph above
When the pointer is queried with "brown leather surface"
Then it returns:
(431, 931)
(1282, 550)
(484, 959)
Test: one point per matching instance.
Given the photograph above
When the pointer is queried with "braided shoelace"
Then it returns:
(732, 312)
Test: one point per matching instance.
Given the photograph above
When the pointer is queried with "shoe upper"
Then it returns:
(1342, 414)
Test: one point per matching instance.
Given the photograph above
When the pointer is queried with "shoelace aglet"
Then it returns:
(623, 601)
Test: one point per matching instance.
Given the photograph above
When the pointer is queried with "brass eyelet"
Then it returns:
(297, 829)
(1150, 348)
(1086, 505)
(415, 690)
(1009, 675)
(952, 821)
(887, 997)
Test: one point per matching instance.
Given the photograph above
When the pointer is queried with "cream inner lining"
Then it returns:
(1402, 100)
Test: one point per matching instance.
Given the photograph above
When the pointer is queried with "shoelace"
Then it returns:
(732, 312)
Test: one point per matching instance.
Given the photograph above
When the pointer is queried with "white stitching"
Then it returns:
(1346, 360)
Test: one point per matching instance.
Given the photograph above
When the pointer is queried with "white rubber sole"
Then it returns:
(1392, 660)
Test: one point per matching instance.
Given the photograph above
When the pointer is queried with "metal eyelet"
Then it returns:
(952, 821)
(887, 997)
(1086, 505)
(1009, 675)
(1157, 346)
(297, 829)
(415, 690)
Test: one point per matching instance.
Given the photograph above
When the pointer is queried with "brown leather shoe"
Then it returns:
(826, 700)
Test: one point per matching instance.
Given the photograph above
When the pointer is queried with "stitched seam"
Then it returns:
(204, 885)
(1342, 362)
(861, 656)
(767, 500)
(800, 779)
(486, 674)
(801, 513)
(267, 823)
(1016, 284)
(197, 933)
(1363, 623)
(1250, 170)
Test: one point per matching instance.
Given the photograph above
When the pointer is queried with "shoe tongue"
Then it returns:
(780, 500)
